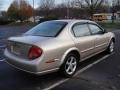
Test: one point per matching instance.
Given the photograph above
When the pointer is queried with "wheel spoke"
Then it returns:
(68, 63)
(71, 59)
(68, 68)
(71, 68)
(74, 63)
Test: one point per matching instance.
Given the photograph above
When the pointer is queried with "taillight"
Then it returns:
(34, 52)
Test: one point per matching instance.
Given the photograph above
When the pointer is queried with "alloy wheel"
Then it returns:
(71, 65)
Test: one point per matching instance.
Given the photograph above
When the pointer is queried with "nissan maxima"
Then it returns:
(58, 45)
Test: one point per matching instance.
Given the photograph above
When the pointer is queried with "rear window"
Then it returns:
(47, 29)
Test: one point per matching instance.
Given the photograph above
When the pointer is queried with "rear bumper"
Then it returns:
(25, 65)
(8, 61)
(36, 73)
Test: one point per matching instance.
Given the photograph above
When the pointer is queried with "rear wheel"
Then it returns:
(69, 67)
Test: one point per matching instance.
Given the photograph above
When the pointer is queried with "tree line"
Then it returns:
(82, 9)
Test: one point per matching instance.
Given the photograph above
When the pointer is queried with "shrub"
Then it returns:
(4, 21)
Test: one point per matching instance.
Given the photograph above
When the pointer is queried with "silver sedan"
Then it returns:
(58, 45)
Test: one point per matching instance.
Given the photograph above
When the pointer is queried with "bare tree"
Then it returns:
(90, 5)
(116, 2)
(93, 5)
(47, 4)
(78, 3)
(115, 8)
(67, 4)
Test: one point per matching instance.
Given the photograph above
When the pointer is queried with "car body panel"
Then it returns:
(101, 42)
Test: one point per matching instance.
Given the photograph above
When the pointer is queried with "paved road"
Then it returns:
(102, 76)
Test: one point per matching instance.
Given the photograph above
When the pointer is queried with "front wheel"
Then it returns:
(111, 47)
(69, 67)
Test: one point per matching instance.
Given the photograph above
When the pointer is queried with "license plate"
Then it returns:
(15, 49)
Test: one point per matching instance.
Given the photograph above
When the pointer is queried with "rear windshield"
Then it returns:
(47, 29)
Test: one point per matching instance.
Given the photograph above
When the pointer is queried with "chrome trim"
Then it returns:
(87, 50)
(100, 45)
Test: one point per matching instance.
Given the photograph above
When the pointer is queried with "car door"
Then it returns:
(101, 40)
(83, 40)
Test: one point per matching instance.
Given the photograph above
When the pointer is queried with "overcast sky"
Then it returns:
(6, 3)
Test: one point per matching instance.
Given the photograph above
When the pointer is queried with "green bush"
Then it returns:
(110, 25)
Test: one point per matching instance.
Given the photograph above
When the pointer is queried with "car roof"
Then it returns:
(75, 20)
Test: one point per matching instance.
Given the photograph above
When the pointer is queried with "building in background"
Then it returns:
(118, 12)
(105, 16)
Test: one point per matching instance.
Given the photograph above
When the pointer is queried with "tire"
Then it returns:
(69, 66)
(110, 48)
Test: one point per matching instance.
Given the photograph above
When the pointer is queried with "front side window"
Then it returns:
(47, 29)
(94, 29)
(81, 30)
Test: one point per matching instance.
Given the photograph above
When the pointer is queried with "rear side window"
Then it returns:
(94, 29)
(81, 30)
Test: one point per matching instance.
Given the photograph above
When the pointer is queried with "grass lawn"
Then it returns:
(110, 25)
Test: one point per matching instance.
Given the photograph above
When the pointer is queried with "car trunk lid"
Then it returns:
(21, 45)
